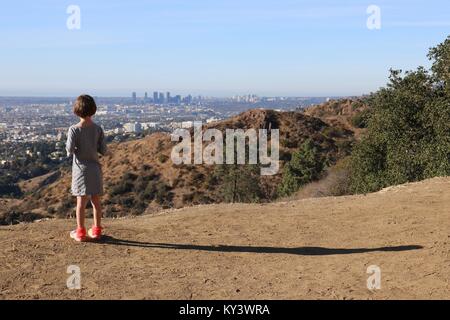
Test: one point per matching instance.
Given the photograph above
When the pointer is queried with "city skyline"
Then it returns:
(220, 48)
(150, 96)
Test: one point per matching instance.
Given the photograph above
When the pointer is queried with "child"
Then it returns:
(84, 141)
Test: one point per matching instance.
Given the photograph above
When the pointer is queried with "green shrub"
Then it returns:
(238, 183)
(149, 192)
(188, 197)
(305, 166)
(15, 217)
(121, 188)
(163, 196)
(129, 176)
(345, 147)
(140, 206)
(51, 210)
(408, 135)
(163, 158)
(127, 202)
(361, 119)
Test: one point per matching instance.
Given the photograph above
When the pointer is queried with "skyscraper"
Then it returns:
(161, 98)
(155, 97)
(145, 97)
(189, 99)
(168, 99)
(134, 97)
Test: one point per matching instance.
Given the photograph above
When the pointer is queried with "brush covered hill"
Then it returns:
(141, 178)
(349, 113)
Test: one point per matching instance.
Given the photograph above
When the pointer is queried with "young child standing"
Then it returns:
(84, 141)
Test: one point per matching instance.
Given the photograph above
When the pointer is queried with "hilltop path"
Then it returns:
(306, 249)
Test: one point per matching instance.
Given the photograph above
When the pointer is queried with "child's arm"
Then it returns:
(101, 147)
(70, 144)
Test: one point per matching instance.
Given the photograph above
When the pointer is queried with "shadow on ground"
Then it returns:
(304, 251)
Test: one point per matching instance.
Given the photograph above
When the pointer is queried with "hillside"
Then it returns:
(308, 249)
(141, 178)
(340, 113)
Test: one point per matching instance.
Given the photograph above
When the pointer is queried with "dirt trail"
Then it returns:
(306, 249)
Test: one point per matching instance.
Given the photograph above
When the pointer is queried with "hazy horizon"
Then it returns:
(164, 91)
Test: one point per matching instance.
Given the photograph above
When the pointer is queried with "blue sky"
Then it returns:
(213, 47)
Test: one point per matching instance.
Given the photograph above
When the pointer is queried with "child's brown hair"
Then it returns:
(84, 106)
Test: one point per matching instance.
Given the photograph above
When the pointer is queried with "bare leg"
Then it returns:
(81, 208)
(97, 208)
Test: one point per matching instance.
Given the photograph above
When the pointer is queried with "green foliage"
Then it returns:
(238, 183)
(334, 132)
(305, 166)
(356, 105)
(149, 191)
(121, 188)
(361, 119)
(25, 161)
(163, 195)
(408, 137)
(127, 202)
(9, 189)
(163, 158)
(441, 66)
(345, 147)
(15, 217)
(129, 176)
(196, 197)
(136, 191)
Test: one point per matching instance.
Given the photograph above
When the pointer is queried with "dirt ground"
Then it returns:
(306, 249)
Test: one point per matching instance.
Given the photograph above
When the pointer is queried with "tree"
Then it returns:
(305, 166)
(238, 183)
(408, 135)
(441, 66)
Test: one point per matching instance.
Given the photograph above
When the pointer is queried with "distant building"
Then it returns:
(145, 97)
(118, 130)
(188, 99)
(155, 97)
(134, 97)
(212, 120)
(168, 98)
(161, 98)
(175, 125)
(132, 127)
(187, 124)
(149, 125)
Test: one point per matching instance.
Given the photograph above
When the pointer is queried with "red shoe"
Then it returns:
(78, 235)
(95, 233)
